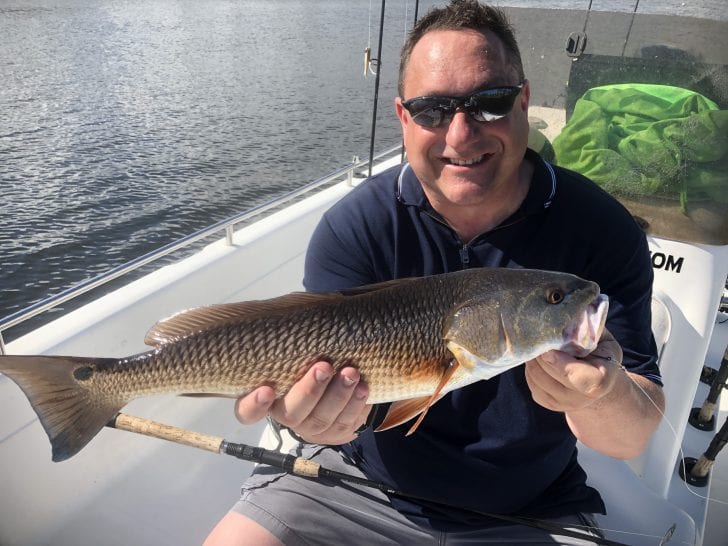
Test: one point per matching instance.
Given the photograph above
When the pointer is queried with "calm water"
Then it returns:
(125, 125)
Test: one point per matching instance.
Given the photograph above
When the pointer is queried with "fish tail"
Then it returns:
(60, 390)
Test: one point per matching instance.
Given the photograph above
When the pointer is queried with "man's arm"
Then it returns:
(609, 409)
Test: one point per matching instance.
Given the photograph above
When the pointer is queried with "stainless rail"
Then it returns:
(227, 225)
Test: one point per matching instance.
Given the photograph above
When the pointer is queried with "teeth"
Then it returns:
(463, 162)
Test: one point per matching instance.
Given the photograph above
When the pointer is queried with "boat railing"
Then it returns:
(227, 225)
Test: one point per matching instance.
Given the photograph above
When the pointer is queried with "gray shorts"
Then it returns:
(301, 511)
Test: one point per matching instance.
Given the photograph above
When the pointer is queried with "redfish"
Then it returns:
(413, 341)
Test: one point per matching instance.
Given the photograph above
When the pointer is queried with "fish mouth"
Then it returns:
(582, 335)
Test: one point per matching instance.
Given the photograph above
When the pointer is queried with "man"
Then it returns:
(471, 196)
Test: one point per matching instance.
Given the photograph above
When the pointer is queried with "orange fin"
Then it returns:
(446, 376)
(404, 410)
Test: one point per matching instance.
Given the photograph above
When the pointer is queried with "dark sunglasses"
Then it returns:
(484, 105)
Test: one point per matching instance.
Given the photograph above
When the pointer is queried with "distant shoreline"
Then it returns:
(701, 9)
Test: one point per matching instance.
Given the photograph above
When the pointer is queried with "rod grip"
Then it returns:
(166, 432)
(306, 467)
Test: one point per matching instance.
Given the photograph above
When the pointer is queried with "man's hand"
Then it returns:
(323, 407)
(607, 408)
(561, 382)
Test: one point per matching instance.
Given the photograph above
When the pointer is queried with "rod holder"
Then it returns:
(703, 418)
(697, 471)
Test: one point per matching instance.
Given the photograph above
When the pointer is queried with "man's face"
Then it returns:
(464, 162)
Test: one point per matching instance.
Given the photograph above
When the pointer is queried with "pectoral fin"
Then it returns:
(404, 410)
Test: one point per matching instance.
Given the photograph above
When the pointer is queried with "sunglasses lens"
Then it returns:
(492, 104)
(428, 112)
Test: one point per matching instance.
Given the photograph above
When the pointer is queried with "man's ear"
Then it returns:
(401, 112)
(525, 96)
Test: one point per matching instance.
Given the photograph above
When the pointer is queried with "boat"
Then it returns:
(126, 488)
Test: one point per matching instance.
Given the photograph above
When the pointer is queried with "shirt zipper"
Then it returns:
(465, 256)
(464, 250)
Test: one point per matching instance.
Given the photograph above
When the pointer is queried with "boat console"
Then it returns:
(662, 150)
(689, 281)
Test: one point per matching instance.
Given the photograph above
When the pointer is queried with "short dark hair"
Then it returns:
(460, 15)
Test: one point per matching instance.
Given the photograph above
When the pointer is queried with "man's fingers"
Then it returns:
(255, 405)
(338, 407)
(342, 430)
(340, 410)
(323, 406)
(544, 388)
(304, 395)
(553, 364)
(561, 382)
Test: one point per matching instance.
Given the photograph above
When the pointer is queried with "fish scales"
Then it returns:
(368, 335)
(365, 333)
(410, 338)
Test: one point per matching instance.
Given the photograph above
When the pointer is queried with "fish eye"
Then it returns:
(554, 296)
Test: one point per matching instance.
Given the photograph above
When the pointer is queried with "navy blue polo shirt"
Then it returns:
(488, 446)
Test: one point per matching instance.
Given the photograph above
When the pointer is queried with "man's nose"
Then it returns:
(461, 129)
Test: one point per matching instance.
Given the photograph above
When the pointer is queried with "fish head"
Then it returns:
(523, 315)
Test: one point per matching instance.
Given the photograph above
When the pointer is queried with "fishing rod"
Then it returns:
(696, 471)
(307, 468)
(376, 89)
(703, 418)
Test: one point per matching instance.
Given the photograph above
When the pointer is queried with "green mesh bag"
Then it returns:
(643, 139)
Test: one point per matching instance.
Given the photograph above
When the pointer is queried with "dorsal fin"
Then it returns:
(367, 288)
(196, 320)
(199, 319)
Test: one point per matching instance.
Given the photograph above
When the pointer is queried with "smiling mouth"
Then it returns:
(465, 162)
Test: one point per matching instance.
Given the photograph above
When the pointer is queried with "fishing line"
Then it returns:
(369, 62)
(677, 437)
(586, 19)
(406, 11)
(375, 103)
(369, 37)
(631, 23)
